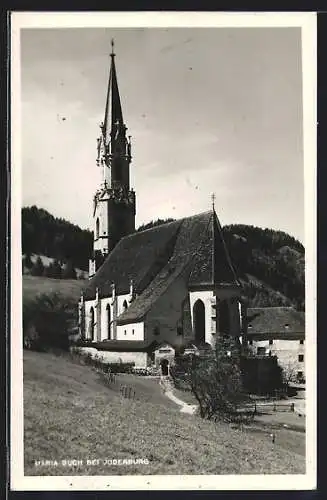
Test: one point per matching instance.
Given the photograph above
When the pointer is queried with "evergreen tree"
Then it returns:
(56, 269)
(69, 272)
(38, 267)
(27, 261)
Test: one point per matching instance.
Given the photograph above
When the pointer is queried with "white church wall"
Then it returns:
(132, 331)
(207, 297)
(101, 214)
(88, 305)
(120, 303)
(166, 314)
(139, 358)
(104, 319)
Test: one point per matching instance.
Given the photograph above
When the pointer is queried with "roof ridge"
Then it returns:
(181, 219)
(275, 307)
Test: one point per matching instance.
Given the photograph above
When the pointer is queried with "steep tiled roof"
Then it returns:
(155, 257)
(284, 321)
(138, 256)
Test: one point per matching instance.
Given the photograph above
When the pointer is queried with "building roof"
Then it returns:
(127, 345)
(155, 257)
(271, 321)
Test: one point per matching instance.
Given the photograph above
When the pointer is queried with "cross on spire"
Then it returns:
(112, 47)
(213, 197)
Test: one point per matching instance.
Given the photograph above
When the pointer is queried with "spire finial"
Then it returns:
(213, 197)
(112, 47)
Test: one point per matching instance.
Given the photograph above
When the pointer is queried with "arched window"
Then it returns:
(91, 325)
(108, 321)
(125, 305)
(97, 228)
(199, 322)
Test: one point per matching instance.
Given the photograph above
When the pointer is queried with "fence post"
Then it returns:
(292, 406)
(274, 409)
(255, 408)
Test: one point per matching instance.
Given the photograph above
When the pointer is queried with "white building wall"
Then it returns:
(132, 331)
(120, 301)
(207, 297)
(88, 305)
(101, 214)
(140, 359)
(287, 352)
(104, 318)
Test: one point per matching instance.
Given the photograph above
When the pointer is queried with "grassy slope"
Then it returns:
(70, 414)
(34, 285)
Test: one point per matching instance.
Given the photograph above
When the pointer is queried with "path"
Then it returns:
(168, 391)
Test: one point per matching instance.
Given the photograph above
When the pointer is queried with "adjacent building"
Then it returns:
(278, 331)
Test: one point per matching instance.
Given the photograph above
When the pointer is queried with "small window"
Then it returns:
(133, 331)
(271, 342)
(301, 358)
(125, 332)
(250, 342)
(301, 342)
(125, 305)
(261, 351)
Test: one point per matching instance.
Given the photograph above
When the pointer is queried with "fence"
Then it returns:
(273, 406)
(125, 390)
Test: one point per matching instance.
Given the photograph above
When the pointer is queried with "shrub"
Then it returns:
(261, 374)
(38, 267)
(49, 317)
(216, 380)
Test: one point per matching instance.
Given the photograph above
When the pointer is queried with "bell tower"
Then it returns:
(114, 201)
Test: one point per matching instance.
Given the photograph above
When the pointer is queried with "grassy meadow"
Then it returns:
(35, 285)
(71, 414)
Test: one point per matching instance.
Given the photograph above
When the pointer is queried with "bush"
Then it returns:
(120, 367)
(261, 375)
(37, 268)
(216, 381)
(47, 321)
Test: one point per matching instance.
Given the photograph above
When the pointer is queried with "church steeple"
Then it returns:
(114, 201)
(113, 115)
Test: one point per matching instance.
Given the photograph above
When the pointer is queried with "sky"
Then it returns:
(210, 110)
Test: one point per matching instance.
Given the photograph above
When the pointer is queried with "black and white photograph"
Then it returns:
(163, 242)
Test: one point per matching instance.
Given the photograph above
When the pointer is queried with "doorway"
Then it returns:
(164, 367)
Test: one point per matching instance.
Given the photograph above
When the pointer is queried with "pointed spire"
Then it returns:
(213, 197)
(113, 117)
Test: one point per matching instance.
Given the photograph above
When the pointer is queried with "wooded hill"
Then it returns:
(270, 264)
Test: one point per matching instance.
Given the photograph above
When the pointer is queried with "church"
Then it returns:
(172, 286)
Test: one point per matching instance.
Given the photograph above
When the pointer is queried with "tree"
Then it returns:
(154, 223)
(69, 272)
(49, 318)
(38, 267)
(27, 261)
(216, 380)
